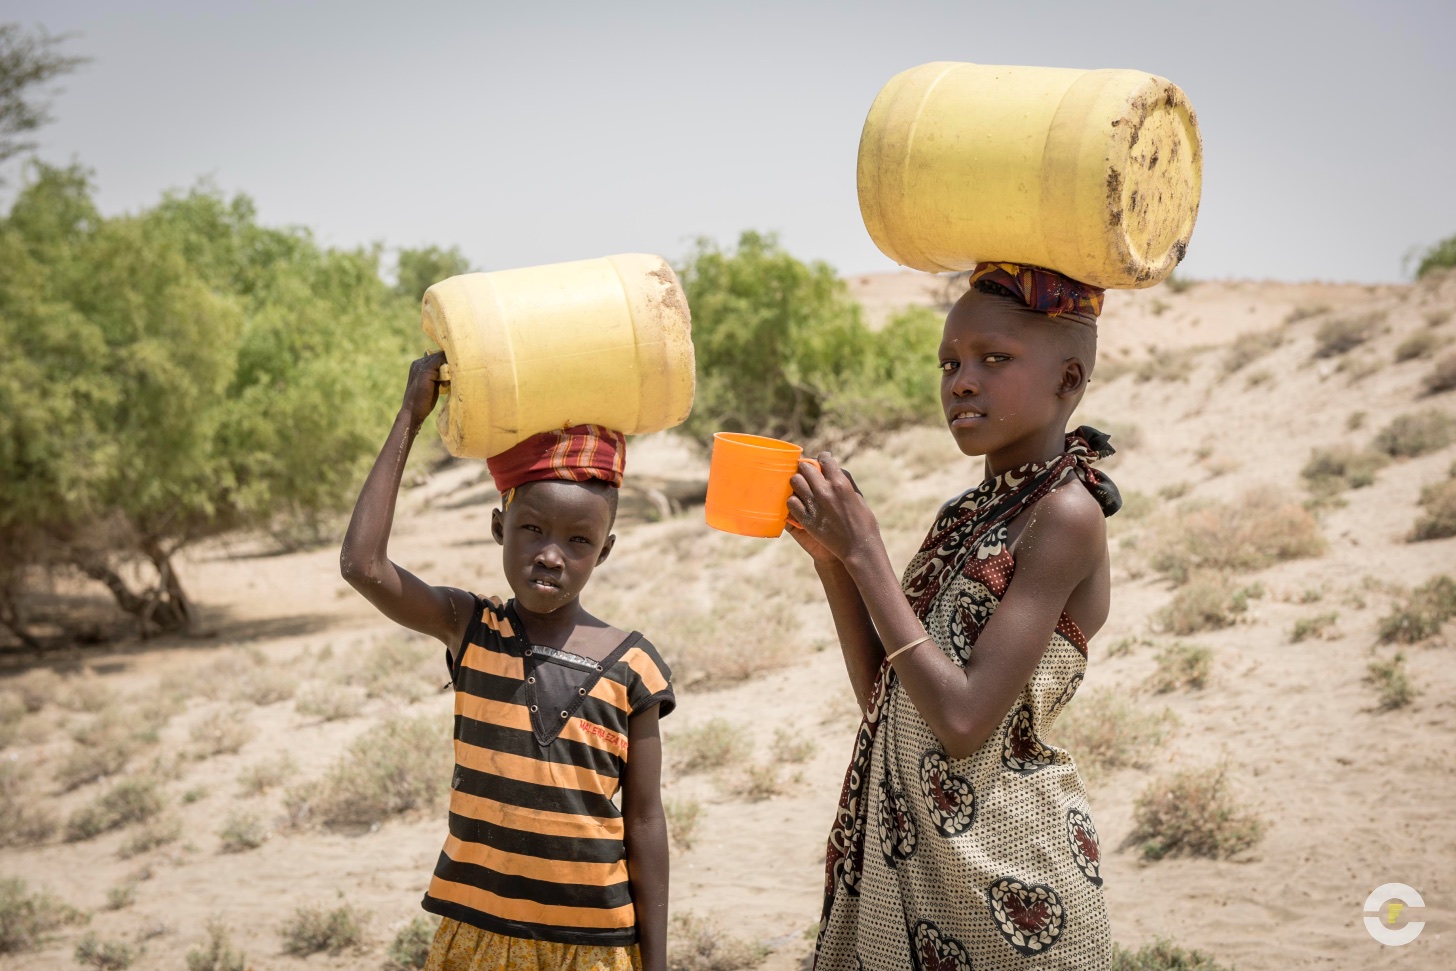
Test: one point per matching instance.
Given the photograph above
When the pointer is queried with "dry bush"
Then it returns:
(222, 732)
(1174, 490)
(1125, 646)
(1436, 318)
(242, 831)
(1391, 682)
(313, 929)
(411, 946)
(329, 702)
(1258, 378)
(758, 782)
(402, 667)
(789, 746)
(1193, 813)
(259, 777)
(695, 944)
(1416, 434)
(1260, 529)
(1316, 626)
(1304, 312)
(1104, 730)
(1424, 611)
(1439, 519)
(217, 954)
(161, 831)
(1181, 667)
(92, 952)
(129, 801)
(1167, 364)
(683, 816)
(83, 692)
(104, 746)
(1249, 347)
(37, 687)
(1421, 344)
(1358, 367)
(220, 678)
(121, 896)
(1341, 334)
(715, 744)
(1161, 955)
(1333, 470)
(1442, 377)
(397, 766)
(24, 820)
(266, 684)
(1207, 601)
(27, 919)
(12, 710)
(740, 638)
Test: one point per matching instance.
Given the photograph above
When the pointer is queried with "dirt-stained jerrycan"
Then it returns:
(1096, 174)
(605, 341)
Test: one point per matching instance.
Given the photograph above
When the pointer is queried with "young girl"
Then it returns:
(555, 710)
(962, 839)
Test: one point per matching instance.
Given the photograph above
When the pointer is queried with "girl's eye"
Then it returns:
(996, 358)
(581, 539)
(532, 527)
(948, 366)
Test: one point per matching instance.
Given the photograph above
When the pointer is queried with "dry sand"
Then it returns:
(1354, 797)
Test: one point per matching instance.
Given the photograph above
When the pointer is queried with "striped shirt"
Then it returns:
(536, 848)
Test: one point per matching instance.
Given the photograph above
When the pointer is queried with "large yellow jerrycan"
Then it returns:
(605, 341)
(1095, 174)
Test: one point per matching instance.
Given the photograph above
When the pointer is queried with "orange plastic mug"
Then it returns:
(748, 483)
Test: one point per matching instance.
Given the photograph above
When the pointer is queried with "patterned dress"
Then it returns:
(989, 861)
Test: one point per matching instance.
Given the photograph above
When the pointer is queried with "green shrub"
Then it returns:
(105, 955)
(1416, 434)
(1439, 520)
(1341, 334)
(129, 801)
(313, 929)
(1162, 955)
(695, 944)
(1105, 730)
(1438, 256)
(1192, 813)
(1423, 613)
(26, 919)
(397, 766)
(715, 744)
(1422, 343)
(1249, 347)
(1181, 667)
(1262, 528)
(411, 946)
(1332, 470)
(24, 820)
(217, 954)
(242, 831)
(1307, 627)
(683, 816)
(1391, 681)
(1208, 601)
(1442, 377)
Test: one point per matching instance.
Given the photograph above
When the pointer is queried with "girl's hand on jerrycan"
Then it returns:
(828, 515)
(423, 388)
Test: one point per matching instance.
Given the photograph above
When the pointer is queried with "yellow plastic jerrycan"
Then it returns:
(605, 341)
(1095, 174)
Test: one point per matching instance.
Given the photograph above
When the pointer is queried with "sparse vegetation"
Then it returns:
(1167, 364)
(242, 831)
(411, 946)
(1249, 347)
(399, 765)
(27, 919)
(93, 952)
(222, 732)
(683, 816)
(217, 954)
(129, 801)
(160, 831)
(1333, 470)
(330, 702)
(715, 744)
(1421, 344)
(1260, 529)
(1425, 610)
(121, 896)
(1181, 667)
(103, 747)
(1442, 377)
(1193, 813)
(1391, 682)
(1304, 312)
(709, 647)
(1437, 256)
(397, 666)
(1439, 519)
(1316, 626)
(695, 944)
(259, 777)
(1208, 601)
(23, 820)
(1104, 730)
(1338, 335)
(1410, 435)
(266, 684)
(313, 929)
(790, 746)
(759, 781)
(1162, 955)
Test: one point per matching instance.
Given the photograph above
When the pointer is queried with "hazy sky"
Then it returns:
(536, 132)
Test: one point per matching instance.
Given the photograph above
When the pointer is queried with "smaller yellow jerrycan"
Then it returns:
(605, 341)
(1095, 174)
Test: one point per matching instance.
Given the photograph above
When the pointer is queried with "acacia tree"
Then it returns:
(28, 61)
(171, 374)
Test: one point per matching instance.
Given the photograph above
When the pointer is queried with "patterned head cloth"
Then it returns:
(575, 454)
(1045, 291)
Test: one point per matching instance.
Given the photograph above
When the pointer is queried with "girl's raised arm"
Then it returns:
(441, 612)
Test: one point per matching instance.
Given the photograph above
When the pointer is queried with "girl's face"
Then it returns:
(1004, 380)
(553, 536)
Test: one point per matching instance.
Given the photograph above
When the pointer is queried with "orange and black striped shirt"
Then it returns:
(536, 846)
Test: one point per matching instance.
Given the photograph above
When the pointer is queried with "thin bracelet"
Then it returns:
(918, 640)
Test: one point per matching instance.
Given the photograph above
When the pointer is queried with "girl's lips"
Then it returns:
(965, 421)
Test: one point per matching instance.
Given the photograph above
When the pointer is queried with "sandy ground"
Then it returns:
(1354, 797)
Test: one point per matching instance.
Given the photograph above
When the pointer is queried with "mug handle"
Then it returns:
(814, 462)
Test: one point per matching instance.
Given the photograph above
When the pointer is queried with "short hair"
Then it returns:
(603, 488)
(1076, 337)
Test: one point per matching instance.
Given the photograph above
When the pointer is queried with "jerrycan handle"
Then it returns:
(444, 379)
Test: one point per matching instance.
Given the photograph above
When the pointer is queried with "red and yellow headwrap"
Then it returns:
(576, 454)
(1045, 291)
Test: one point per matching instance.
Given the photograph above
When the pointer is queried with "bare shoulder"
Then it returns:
(1065, 529)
